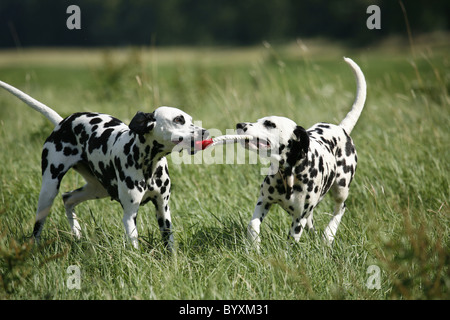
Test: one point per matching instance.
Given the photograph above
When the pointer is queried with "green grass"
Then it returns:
(398, 210)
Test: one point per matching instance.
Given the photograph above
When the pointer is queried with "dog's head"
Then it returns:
(278, 138)
(170, 127)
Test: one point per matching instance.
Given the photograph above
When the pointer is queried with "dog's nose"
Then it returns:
(241, 125)
(205, 133)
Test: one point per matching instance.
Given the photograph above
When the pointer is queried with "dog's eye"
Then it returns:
(179, 120)
(269, 124)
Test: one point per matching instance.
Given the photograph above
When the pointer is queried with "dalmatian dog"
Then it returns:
(305, 165)
(126, 163)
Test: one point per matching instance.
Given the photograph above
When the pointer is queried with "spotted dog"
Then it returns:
(126, 163)
(306, 164)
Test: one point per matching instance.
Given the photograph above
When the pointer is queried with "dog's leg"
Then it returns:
(129, 222)
(261, 210)
(164, 220)
(340, 194)
(55, 165)
(130, 199)
(161, 202)
(71, 216)
(297, 227)
(91, 190)
(310, 223)
(161, 185)
(71, 199)
(331, 229)
(49, 190)
(46, 197)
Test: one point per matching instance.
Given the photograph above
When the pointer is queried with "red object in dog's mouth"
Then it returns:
(202, 144)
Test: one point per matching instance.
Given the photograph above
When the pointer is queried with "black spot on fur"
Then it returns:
(58, 146)
(56, 171)
(280, 188)
(129, 182)
(65, 133)
(100, 142)
(329, 181)
(69, 151)
(310, 185)
(118, 165)
(313, 173)
(269, 124)
(298, 146)
(95, 121)
(112, 123)
(127, 147)
(136, 155)
(321, 168)
(349, 148)
(44, 160)
(157, 148)
(318, 130)
(78, 129)
(129, 161)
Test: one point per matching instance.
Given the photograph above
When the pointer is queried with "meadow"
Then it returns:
(397, 216)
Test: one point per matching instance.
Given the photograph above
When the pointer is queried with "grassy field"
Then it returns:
(398, 209)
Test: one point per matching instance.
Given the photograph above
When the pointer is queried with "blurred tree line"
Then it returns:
(209, 22)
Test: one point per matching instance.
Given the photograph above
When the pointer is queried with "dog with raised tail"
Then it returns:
(305, 165)
(126, 163)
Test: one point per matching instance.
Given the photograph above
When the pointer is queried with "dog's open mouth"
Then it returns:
(257, 144)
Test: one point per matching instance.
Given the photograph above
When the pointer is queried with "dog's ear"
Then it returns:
(142, 123)
(297, 146)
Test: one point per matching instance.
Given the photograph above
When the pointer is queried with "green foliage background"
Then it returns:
(398, 210)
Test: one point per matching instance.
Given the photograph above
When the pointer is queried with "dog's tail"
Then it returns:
(361, 90)
(49, 113)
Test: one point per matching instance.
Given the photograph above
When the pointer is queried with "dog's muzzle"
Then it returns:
(191, 143)
(252, 144)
